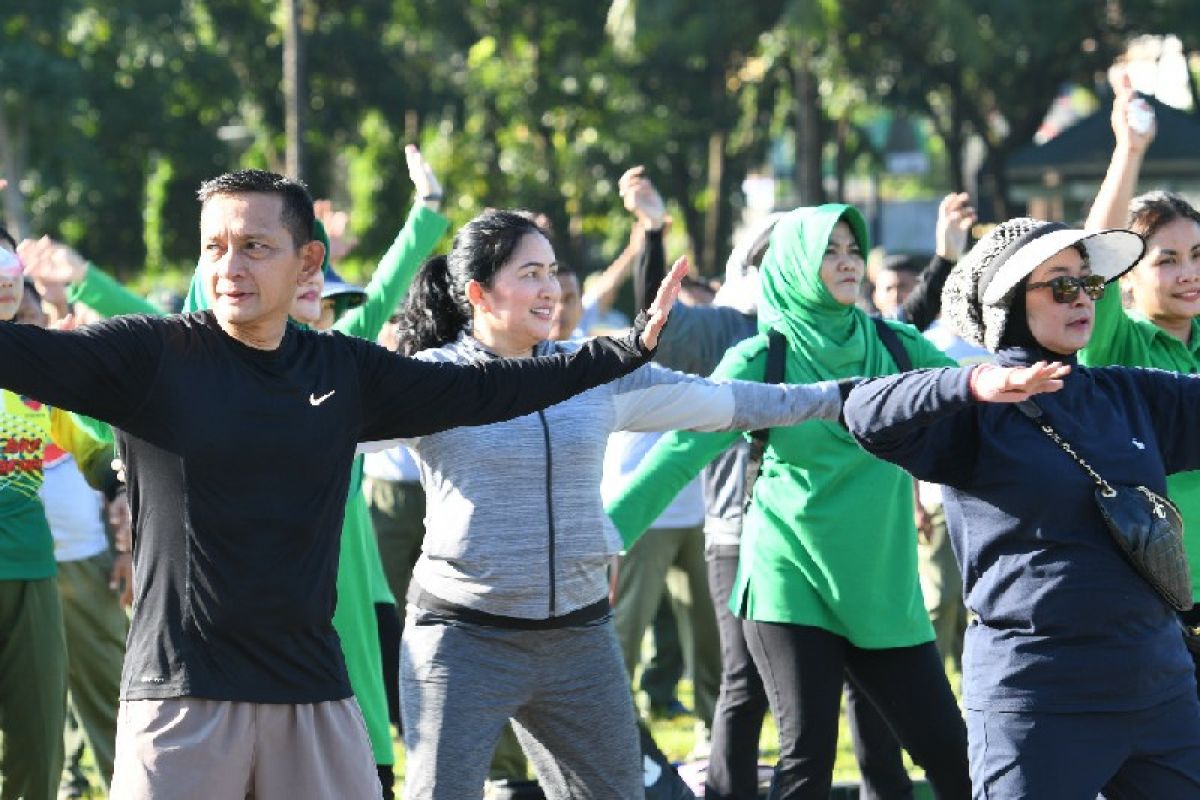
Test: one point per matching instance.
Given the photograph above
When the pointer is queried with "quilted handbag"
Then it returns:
(1146, 526)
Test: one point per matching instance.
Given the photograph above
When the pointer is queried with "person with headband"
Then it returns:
(1076, 680)
(508, 606)
(826, 584)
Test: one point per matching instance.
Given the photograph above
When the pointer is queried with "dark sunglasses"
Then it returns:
(1065, 288)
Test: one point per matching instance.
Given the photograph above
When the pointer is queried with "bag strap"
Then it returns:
(1031, 409)
(892, 342)
(776, 353)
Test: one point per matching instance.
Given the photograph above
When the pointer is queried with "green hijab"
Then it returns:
(826, 339)
(197, 298)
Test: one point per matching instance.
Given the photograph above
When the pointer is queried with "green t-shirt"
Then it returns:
(829, 539)
(27, 429)
(1128, 339)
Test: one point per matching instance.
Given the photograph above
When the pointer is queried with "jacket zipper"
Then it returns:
(549, 504)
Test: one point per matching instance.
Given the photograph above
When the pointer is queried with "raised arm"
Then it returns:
(50, 261)
(698, 336)
(1113, 338)
(1111, 206)
(395, 271)
(924, 303)
(599, 297)
(643, 201)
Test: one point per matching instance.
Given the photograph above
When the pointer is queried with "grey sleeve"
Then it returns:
(657, 399)
(696, 337)
(764, 405)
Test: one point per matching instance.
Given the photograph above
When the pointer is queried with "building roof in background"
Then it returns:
(1084, 149)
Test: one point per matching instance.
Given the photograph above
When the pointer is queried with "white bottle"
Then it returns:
(1139, 115)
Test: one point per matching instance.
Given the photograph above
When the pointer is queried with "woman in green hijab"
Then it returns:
(827, 581)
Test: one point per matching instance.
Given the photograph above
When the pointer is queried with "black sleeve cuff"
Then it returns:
(639, 327)
(844, 387)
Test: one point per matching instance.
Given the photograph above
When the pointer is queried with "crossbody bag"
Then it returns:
(1146, 526)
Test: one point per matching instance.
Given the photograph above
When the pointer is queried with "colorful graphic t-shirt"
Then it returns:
(29, 431)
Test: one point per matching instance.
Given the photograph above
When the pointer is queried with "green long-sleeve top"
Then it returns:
(829, 538)
(416, 240)
(1127, 338)
(106, 296)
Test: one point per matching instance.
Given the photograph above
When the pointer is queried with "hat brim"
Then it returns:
(346, 292)
(1111, 253)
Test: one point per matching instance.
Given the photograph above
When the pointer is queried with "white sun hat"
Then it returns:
(1111, 253)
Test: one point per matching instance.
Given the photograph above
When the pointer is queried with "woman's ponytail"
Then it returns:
(431, 316)
(437, 309)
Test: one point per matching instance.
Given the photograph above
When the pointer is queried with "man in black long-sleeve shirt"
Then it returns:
(238, 430)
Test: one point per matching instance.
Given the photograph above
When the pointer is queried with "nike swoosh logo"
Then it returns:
(316, 401)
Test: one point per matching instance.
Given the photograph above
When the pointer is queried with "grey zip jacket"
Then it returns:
(514, 522)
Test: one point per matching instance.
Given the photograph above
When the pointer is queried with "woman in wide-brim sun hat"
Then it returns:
(1076, 680)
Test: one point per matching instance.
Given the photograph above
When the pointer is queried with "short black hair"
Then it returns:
(5, 236)
(912, 264)
(297, 211)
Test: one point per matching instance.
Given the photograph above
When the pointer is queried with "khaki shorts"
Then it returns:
(187, 748)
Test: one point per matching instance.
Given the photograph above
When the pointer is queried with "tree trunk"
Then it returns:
(809, 190)
(956, 137)
(14, 141)
(681, 188)
(707, 258)
(293, 88)
(996, 171)
(842, 158)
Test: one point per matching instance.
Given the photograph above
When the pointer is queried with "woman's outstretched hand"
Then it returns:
(668, 290)
(993, 384)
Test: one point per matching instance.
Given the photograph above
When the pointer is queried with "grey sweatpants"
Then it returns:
(565, 690)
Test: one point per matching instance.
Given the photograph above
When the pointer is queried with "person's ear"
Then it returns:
(312, 257)
(477, 295)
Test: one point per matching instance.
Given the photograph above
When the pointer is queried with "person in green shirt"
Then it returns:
(33, 664)
(827, 579)
(1159, 329)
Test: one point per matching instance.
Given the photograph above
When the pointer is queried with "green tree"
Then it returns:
(985, 67)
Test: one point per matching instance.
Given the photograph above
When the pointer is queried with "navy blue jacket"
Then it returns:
(1061, 622)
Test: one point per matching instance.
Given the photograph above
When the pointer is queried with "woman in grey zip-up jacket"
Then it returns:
(508, 605)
